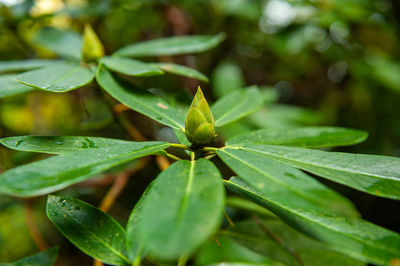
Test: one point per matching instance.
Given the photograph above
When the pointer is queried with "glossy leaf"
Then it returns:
(58, 144)
(88, 228)
(181, 71)
(237, 105)
(352, 236)
(286, 182)
(172, 46)
(256, 236)
(182, 208)
(57, 172)
(21, 65)
(62, 42)
(131, 67)
(44, 258)
(59, 77)
(227, 251)
(145, 103)
(374, 174)
(9, 86)
(309, 137)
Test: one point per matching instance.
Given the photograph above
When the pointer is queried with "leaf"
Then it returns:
(352, 236)
(229, 252)
(88, 228)
(131, 67)
(281, 180)
(44, 258)
(182, 208)
(226, 78)
(172, 45)
(309, 137)
(62, 42)
(59, 77)
(9, 86)
(258, 237)
(21, 65)
(374, 174)
(236, 105)
(58, 144)
(144, 103)
(181, 71)
(57, 172)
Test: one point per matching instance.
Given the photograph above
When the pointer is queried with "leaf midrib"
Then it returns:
(370, 242)
(113, 250)
(217, 121)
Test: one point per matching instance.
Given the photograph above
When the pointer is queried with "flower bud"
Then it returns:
(199, 124)
(92, 48)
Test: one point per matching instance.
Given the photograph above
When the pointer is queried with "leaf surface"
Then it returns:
(21, 65)
(65, 43)
(308, 137)
(58, 144)
(9, 86)
(351, 236)
(144, 103)
(172, 46)
(44, 258)
(287, 182)
(374, 174)
(181, 71)
(131, 67)
(57, 172)
(88, 228)
(58, 77)
(236, 105)
(182, 208)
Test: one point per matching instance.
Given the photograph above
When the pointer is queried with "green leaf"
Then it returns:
(374, 174)
(309, 137)
(172, 45)
(352, 236)
(284, 181)
(59, 77)
(44, 258)
(258, 237)
(88, 228)
(57, 172)
(145, 103)
(21, 65)
(181, 71)
(229, 252)
(58, 144)
(182, 208)
(226, 78)
(237, 105)
(9, 86)
(131, 67)
(62, 42)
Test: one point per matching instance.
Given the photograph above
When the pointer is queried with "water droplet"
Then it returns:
(17, 143)
(54, 214)
(59, 142)
(91, 144)
(63, 202)
(85, 145)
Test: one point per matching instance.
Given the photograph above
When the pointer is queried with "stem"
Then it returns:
(192, 156)
(208, 157)
(120, 182)
(231, 223)
(278, 240)
(162, 162)
(32, 226)
(182, 260)
(176, 158)
(210, 149)
(181, 146)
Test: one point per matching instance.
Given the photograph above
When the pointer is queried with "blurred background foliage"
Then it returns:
(320, 62)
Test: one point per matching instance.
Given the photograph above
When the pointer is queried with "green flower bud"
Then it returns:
(199, 124)
(92, 48)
